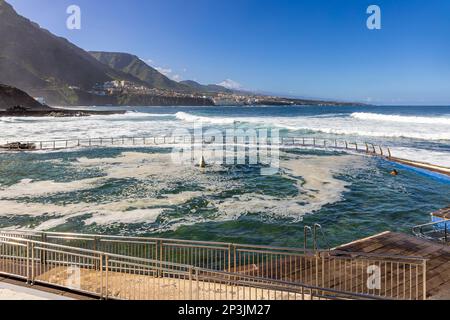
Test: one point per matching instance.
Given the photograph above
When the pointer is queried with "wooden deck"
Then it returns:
(443, 213)
(390, 243)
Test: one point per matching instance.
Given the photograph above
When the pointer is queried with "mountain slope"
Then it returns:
(210, 88)
(32, 58)
(134, 66)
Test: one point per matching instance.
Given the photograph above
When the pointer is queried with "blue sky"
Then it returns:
(310, 48)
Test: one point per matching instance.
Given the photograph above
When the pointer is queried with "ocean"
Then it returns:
(141, 191)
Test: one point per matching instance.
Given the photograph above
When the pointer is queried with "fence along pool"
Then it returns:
(399, 277)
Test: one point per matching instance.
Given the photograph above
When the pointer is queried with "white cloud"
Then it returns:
(230, 84)
(164, 71)
(168, 72)
(176, 77)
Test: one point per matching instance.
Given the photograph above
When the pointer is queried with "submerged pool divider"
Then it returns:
(440, 172)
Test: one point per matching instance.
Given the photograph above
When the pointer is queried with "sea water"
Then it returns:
(140, 191)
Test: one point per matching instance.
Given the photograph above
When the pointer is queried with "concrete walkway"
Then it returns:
(12, 289)
(14, 292)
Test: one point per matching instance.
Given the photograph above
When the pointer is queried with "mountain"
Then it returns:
(33, 59)
(134, 66)
(12, 97)
(210, 88)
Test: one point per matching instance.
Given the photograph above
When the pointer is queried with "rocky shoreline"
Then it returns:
(57, 113)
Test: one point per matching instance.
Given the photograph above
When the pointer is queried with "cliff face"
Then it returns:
(141, 100)
(12, 97)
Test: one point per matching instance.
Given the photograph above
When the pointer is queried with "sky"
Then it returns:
(305, 48)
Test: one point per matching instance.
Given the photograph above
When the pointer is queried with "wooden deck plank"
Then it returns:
(438, 264)
(443, 213)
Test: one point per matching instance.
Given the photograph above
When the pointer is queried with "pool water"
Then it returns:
(141, 192)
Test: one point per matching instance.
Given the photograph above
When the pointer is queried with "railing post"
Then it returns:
(424, 268)
(44, 253)
(229, 258)
(234, 258)
(323, 273)
(198, 283)
(161, 258)
(190, 282)
(29, 261)
(32, 264)
(446, 232)
(106, 276)
(101, 256)
(96, 244)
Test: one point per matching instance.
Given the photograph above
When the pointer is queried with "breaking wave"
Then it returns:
(402, 119)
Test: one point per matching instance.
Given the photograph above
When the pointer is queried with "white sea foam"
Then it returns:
(317, 187)
(366, 125)
(401, 119)
(214, 120)
(132, 216)
(359, 124)
(30, 188)
(428, 156)
(313, 176)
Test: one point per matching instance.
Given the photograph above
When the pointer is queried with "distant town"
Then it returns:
(122, 87)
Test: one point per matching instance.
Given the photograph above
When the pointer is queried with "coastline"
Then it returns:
(53, 112)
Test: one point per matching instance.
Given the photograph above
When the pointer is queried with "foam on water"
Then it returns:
(402, 119)
(359, 124)
(428, 156)
(317, 187)
(30, 188)
(313, 176)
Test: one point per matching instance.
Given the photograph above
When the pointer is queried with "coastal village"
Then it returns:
(231, 98)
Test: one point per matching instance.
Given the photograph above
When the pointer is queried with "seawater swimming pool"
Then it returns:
(139, 191)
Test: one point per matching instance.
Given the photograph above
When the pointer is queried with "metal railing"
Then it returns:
(59, 144)
(435, 231)
(111, 276)
(397, 277)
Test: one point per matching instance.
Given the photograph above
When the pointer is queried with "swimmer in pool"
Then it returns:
(394, 173)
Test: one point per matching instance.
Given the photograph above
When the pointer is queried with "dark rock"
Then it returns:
(18, 146)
